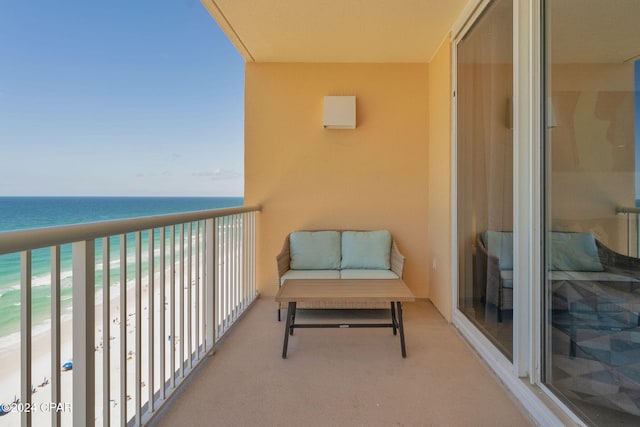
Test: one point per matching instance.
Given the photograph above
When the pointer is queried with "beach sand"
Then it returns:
(41, 362)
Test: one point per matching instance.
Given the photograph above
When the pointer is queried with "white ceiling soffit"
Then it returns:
(336, 30)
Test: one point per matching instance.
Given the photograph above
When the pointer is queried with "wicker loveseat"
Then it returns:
(593, 296)
(337, 254)
(578, 258)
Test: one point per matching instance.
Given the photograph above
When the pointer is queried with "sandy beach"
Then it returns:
(41, 361)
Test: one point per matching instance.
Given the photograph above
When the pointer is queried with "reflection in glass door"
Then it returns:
(592, 286)
(485, 174)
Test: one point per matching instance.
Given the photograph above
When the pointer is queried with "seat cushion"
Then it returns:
(310, 274)
(370, 250)
(592, 276)
(368, 274)
(315, 250)
(507, 278)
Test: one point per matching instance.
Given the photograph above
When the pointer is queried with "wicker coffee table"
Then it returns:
(393, 291)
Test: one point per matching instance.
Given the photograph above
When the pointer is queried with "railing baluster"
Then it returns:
(246, 229)
(232, 267)
(219, 277)
(211, 261)
(172, 306)
(245, 264)
(25, 336)
(629, 234)
(163, 309)
(236, 278)
(255, 256)
(247, 255)
(181, 304)
(189, 296)
(223, 276)
(197, 292)
(637, 235)
(106, 332)
(227, 282)
(150, 311)
(56, 416)
(239, 266)
(138, 322)
(229, 263)
(83, 259)
(123, 330)
(252, 254)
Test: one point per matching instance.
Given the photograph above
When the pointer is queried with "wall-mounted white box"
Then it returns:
(340, 112)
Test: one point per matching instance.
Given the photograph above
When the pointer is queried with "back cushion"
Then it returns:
(315, 250)
(366, 250)
(574, 252)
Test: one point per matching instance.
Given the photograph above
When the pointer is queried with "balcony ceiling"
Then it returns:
(336, 30)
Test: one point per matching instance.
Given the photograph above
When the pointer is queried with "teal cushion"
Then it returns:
(574, 252)
(314, 250)
(310, 274)
(368, 274)
(366, 250)
(507, 278)
(500, 244)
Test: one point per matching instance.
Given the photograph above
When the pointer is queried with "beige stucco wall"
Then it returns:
(307, 177)
(439, 188)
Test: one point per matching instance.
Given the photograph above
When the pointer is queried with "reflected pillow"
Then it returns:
(500, 245)
(574, 252)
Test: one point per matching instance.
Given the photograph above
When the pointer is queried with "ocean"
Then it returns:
(18, 213)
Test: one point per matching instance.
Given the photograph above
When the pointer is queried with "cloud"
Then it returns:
(219, 174)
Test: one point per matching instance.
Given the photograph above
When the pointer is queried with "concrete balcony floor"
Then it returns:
(344, 377)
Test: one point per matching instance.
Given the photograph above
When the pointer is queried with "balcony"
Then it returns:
(212, 366)
(344, 377)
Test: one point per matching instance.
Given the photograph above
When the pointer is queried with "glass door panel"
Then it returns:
(592, 285)
(485, 174)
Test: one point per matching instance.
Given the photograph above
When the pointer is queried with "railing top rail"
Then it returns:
(24, 240)
(623, 209)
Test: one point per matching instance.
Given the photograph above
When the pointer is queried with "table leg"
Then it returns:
(401, 327)
(293, 319)
(290, 314)
(393, 318)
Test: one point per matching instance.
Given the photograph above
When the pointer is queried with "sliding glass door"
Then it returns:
(485, 173)
(592, 285)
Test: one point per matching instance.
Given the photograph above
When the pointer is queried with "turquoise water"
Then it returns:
(33, 212)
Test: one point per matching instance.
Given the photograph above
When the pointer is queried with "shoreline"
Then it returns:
(41, 360)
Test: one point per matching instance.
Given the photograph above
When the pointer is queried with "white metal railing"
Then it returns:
(633, 229)
(171, 286)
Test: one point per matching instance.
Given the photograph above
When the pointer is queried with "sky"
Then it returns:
(118, 98)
